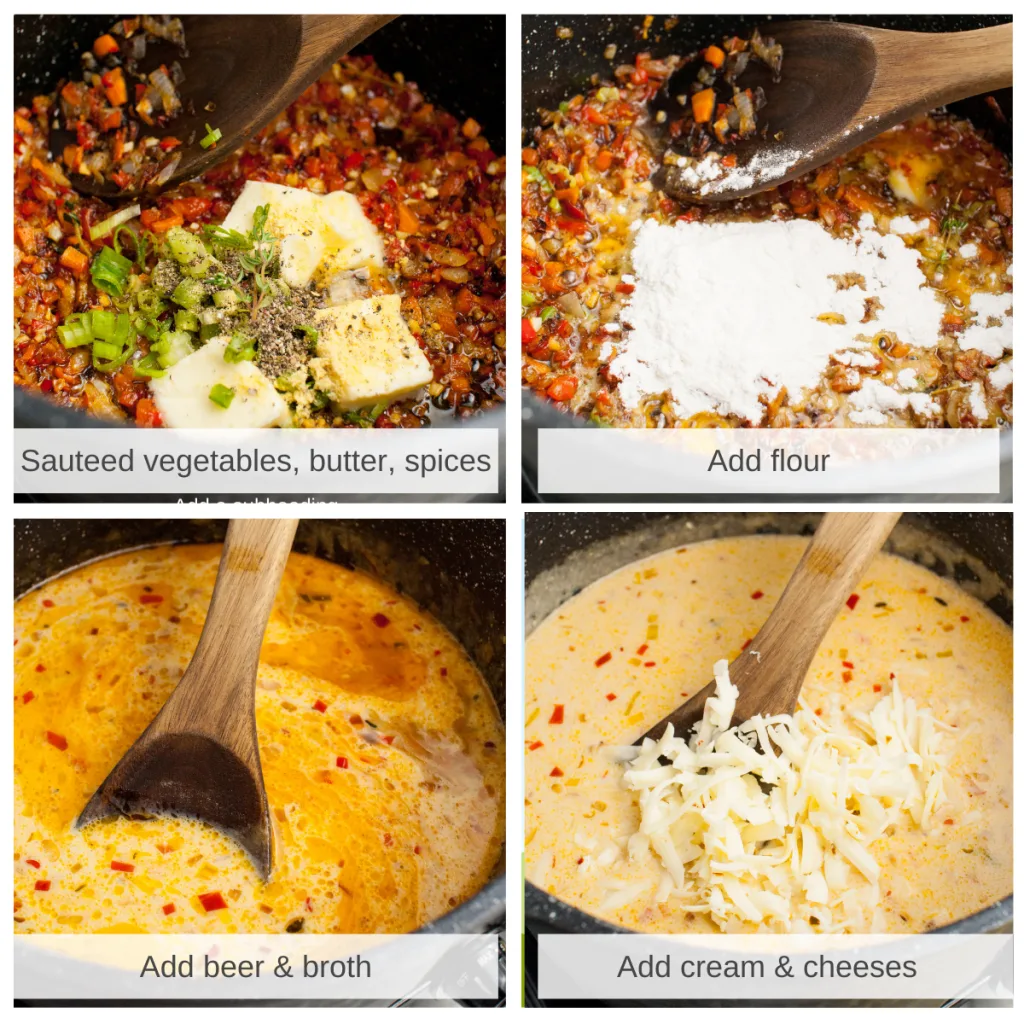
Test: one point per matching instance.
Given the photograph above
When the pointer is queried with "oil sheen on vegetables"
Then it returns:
(382, 751)
(628, 649)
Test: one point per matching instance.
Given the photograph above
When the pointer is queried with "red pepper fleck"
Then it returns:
(212, 901)
(120, 865)
(27, 696)
(757, 595)
(55, 739)
(33, 863)
(355, 720)
(309, 904)
(47, 603)
(948, 821)
(604, 659)
(580, 861)
(342, 762)
(40, 668)
(388, 841)
(558, 715)
(892, 675)
(649, 664)
(877, 687)
(388, 740)
(381, 620)
(444, 672)
(747, 643)
(641, 650)
(965, 618)
(818, 711)
(436, 653)
(151, 599)
(536, 745)
(847, 676)
(851, 601)
(609, 696)
(416, 849)
(320, 706)
(557, 772)
(43, 885)
(169, 908)
(847, 664)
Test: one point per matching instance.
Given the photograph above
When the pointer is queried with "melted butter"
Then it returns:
(410, 828)
(665, 620)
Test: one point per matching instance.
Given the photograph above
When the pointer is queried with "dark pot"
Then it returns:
(455, 573)
(428, 49)
(568, 551)
(555, 69)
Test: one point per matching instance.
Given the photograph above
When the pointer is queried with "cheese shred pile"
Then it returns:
(768, 825)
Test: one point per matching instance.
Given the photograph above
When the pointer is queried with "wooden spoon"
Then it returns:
(770, 672)
(199, 757)
(841, 85)
(240, 72)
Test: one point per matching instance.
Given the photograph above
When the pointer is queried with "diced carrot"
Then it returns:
(71, 94)
(115, 88)
(76, 261)
(106, 44)
(703, 105)
(562, 389)
(23, 124)
(72, 157)
(407, 220)
(530, 157)
(471, 128)
(147, 414)
(463, 300)
(715, 56)
(603, 160)
(111, 120)
(164, 224)
(487, 236)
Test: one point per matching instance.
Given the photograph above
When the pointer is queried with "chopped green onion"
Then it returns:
(312, 337)
(547, 313)
(184, 320)
(189, 293)
(149, 366)
(172, 347)
(212, 137)
(529, 299)
(240, 348)
(105, 227)
(227, 299)
(150, 301)
(110, 271)
(222, 396)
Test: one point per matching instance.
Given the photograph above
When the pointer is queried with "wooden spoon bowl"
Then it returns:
(199, 757)
(240, 72)
(841, 85)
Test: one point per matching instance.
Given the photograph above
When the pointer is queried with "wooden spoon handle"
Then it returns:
(778, 657)
(222, 672)
(328, 36)
(923, 70)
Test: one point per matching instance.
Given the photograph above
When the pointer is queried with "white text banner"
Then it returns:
(721, 461)
(256, 462)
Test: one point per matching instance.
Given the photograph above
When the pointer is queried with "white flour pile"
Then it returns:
(725, 314)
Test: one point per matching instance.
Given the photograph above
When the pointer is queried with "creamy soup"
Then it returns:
(382, 751)
(620, 655)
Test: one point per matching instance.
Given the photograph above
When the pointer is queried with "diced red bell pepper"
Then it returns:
(320, 706)
(56, 740)
(120, 865)
(212, 901)
(380, 621)
(43, 885)
(529, 332)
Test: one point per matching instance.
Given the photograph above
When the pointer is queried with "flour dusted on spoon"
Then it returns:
(726, 315)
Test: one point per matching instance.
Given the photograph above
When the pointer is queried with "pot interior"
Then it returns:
(566, 552)
(456, 575)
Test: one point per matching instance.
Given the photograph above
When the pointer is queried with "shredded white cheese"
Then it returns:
(768, 841)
